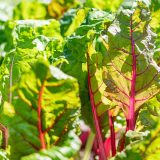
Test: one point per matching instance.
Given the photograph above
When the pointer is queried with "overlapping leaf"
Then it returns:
(76, 52)
(3, 155)
(46, 109)
(57, 8)
(72, 20)
(31, 40)
(69, 147)
(88, 61)
(129, 58)
(146, 148)
(27, 10)
(155, 24)
(104, 5)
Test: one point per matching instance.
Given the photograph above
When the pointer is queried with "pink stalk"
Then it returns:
(112, 133)
(95, 117)
(131, 115)
(83, 137)
(95, 146)
(130, 120)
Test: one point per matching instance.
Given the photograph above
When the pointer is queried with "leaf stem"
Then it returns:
(39, 110)
(4, 131)
(131, 116)
(112, 133)
(95, 117)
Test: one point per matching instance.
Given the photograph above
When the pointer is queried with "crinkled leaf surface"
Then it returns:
(76, 52)
(146, 148)
(129, 58)
(153, 105)
(155, 24)
(27, 10)
(69, 148)
(31, 40)
(72, 20)
(57, 8)
(88, 62)
(45, 113)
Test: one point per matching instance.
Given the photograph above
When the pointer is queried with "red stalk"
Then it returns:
(95, 117)
(130, 120)
(112, 133)
(39, 110)
(83, 137)
(131, 115)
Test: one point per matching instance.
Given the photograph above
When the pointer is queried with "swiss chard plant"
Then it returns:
(84, 86)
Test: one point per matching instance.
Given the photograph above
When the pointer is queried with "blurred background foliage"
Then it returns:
(45, 9)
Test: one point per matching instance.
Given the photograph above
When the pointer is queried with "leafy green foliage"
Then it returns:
(83, 37)
(104, 5)
(72, 20)
(70, 147)
(27, 10)
(146, 147)
(155, 5)
(41, 106)
(155, 24)
(28, 37)
(3, 155)
(129, 59)
(57, 8)
(110, 55)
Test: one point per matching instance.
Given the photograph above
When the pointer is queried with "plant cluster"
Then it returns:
(66, 62)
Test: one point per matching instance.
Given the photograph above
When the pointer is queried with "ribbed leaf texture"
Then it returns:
(45, 114)
(57, 8)
(72, 20)
(27, 10)
(155, 24)
(31, 40)
(86, 34)
(143, 145)
(131, 75)
(89, 63)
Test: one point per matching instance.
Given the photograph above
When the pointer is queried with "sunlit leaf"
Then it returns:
(47, 107)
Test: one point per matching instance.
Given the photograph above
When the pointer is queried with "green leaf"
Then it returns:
(146, 148)
(45, 112)
(30, 36)
(26, 31)
(76, 49)
(155, 5)
(72, 20)
(88, 61)
(3, 155)
(153, 106)
(27, 10)
(129, 58)
(57, 8)
(104, 5)
(69, 148)
(155, 24)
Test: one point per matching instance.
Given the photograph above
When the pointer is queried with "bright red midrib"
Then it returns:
(39, 110)
(131, 116)
(95, 117)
